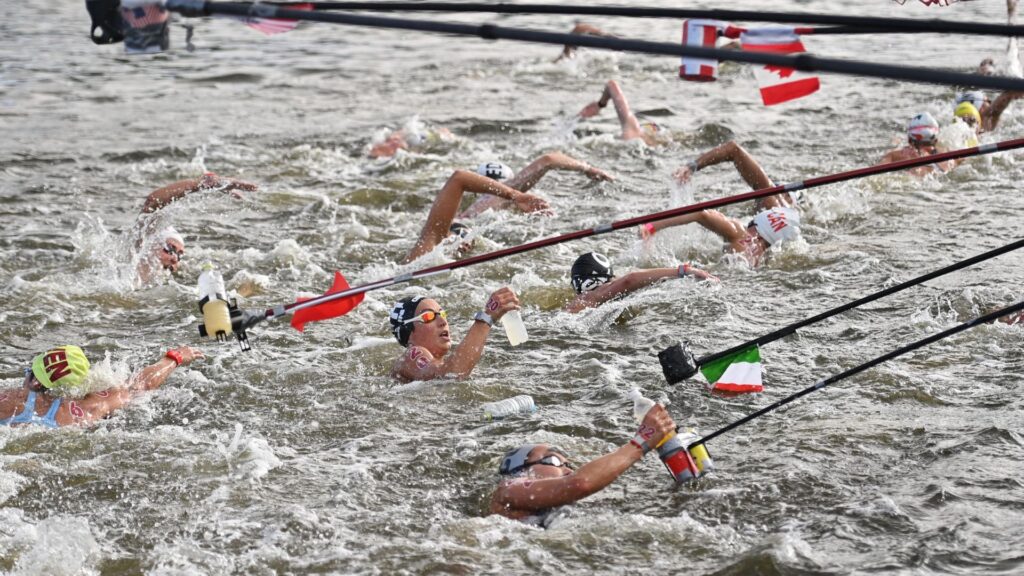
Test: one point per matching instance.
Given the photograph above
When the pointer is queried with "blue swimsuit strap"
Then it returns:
(52, 412)
(28, 414)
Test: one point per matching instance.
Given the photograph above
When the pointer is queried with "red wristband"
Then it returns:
(174, 355)
(650, 228)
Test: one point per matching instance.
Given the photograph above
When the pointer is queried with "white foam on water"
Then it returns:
(59, 545)
(106, 374)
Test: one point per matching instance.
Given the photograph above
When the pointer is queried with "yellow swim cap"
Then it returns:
(62, 368)
(968, 113)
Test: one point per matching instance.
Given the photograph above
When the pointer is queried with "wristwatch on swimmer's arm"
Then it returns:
(483, 317)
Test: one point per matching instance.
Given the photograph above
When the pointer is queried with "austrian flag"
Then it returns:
(778, 84)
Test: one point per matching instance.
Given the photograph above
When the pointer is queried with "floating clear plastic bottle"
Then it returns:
(522, 404)
(213, 304)
(671, 450)
(515, 329)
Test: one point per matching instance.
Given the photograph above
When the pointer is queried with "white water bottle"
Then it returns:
(671, 451)
(522, 404)
(514, 327)
(641, 405)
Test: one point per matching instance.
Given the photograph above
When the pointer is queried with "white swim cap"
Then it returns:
(169, 233)
(923, 129)
(415, 137)
(495, 170)
(976, 97)
(777, 225)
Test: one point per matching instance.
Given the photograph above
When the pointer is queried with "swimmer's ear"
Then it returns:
(677, 362)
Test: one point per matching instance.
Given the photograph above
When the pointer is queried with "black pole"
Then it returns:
(805, 62)
(787, 330)
(875, 23)
(870, 364)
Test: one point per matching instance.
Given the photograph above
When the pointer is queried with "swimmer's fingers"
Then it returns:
(683, 175)
(704, 276)
(658, 419)
(598, 174)
(590, 110)
(501, 301)
(531, 203)
(240, 185)
(189, 355)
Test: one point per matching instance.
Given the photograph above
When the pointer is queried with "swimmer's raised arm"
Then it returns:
(534, 494)
(569, 51)
(446, 205)
(630, 126)
(419, 363)
(162, 197)
(96, 406)
(990, 119)
(528, 177)
(729, 229)
(467, 354)
(745, 164)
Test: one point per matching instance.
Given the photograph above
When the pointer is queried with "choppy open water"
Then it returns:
(303, 457)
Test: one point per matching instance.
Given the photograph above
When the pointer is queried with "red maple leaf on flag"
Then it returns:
(782, 71)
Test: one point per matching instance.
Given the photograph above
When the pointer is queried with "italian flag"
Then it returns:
(778, 84)
(737, 373)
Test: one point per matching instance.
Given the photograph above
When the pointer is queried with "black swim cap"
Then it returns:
(590, 271)
(403, 310)
(459, 229)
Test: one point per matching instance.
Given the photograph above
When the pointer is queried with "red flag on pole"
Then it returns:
(327, 310)
(778, 84)
(270, 26)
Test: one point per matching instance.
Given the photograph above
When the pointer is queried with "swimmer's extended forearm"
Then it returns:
(480, 184)
(161, 197)
(153, 376)
(598, 474)
(465, 357)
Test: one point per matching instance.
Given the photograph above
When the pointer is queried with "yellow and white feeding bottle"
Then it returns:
(213, 304)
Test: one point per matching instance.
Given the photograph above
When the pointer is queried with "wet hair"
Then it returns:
(403, 310)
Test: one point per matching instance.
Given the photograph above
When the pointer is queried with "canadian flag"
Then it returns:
(778, 84)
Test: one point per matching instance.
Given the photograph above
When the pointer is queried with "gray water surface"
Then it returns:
(304, 457)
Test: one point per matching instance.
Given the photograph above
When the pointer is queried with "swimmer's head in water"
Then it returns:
(169, 248)
(777, 225)
(590, 271)
(460, 230)
(462, 235)
(923, 130)
(976, 97)
(651, 128)
(968, 113)
(62, 369)
(517, 461)
(402, 311)
(495, 171)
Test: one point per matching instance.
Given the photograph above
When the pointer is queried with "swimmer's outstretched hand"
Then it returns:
(658, 419)
(530, 203)
(590, 110)
(598, 174)
(501, 301)
(683, 175)
(702, 275)
(189, 354)
(230, 185)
